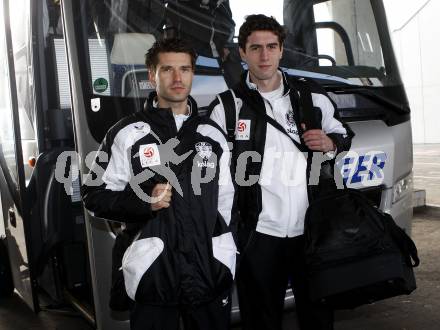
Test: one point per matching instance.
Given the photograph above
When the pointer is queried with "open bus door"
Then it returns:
(44, 223)
(15, 207)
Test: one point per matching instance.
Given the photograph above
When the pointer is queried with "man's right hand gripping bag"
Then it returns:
(355, 253)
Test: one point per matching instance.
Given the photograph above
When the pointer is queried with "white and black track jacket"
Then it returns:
(277, 202)
(192, 254)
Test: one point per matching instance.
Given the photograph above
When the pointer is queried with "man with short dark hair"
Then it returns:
(183, 263)
(269, 126)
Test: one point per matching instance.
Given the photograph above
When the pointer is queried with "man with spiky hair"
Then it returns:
(183, 263)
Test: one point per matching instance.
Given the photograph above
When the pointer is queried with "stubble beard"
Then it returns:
(264, 76)
(176, 98)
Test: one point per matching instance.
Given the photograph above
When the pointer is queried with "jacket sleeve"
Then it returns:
(227, 196)
(106, 190)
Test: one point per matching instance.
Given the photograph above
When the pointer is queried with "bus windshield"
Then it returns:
(335, 40)
(343, 44)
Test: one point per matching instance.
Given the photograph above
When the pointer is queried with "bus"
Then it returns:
(70, 69)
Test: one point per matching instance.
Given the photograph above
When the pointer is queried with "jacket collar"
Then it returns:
(250, 85)
(151, 105)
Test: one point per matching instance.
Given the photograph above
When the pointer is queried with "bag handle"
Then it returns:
(400, 237)
(404, 242)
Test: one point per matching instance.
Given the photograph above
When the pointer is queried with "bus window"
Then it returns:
(242, 8)
(343, 35)
(7, 140)
(21, 41)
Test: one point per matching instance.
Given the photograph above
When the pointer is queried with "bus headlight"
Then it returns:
(402, 187)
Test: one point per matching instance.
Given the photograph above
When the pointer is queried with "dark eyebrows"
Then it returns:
(183, 67)
(255, 46)
(165, 67)
(271, 45)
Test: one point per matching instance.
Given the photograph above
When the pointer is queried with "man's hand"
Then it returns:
(161, 196)
(317, 140)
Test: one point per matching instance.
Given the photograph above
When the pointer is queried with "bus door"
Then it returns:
(17, 138)
(95, 108)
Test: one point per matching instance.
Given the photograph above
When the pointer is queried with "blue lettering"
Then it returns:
(347, 168)
(377, 167)
(364, 168)
(361, 168)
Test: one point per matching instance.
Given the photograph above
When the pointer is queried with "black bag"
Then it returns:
(6, 283)
(119, 300)
(355, 253)
(207, 24)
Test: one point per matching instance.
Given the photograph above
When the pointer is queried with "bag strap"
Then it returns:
(249, 99)
(280, 128)
(305, 111)
(227, 99)
(305, 103)
(404, 242)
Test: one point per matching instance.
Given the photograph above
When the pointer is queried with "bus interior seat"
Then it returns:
(128, 63)
(135, 83)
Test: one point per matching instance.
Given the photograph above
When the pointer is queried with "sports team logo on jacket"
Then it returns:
(149, 155)
(243, 129)
(149, 152)
(204, 150)
(291, 125)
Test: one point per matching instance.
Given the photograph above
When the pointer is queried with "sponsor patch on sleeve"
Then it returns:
(149, 155)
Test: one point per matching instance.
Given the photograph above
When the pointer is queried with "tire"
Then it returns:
(6, 283)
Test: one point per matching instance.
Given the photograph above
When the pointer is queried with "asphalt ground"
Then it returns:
(426, 172)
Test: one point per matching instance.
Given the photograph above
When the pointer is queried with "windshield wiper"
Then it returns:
(386, 101)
